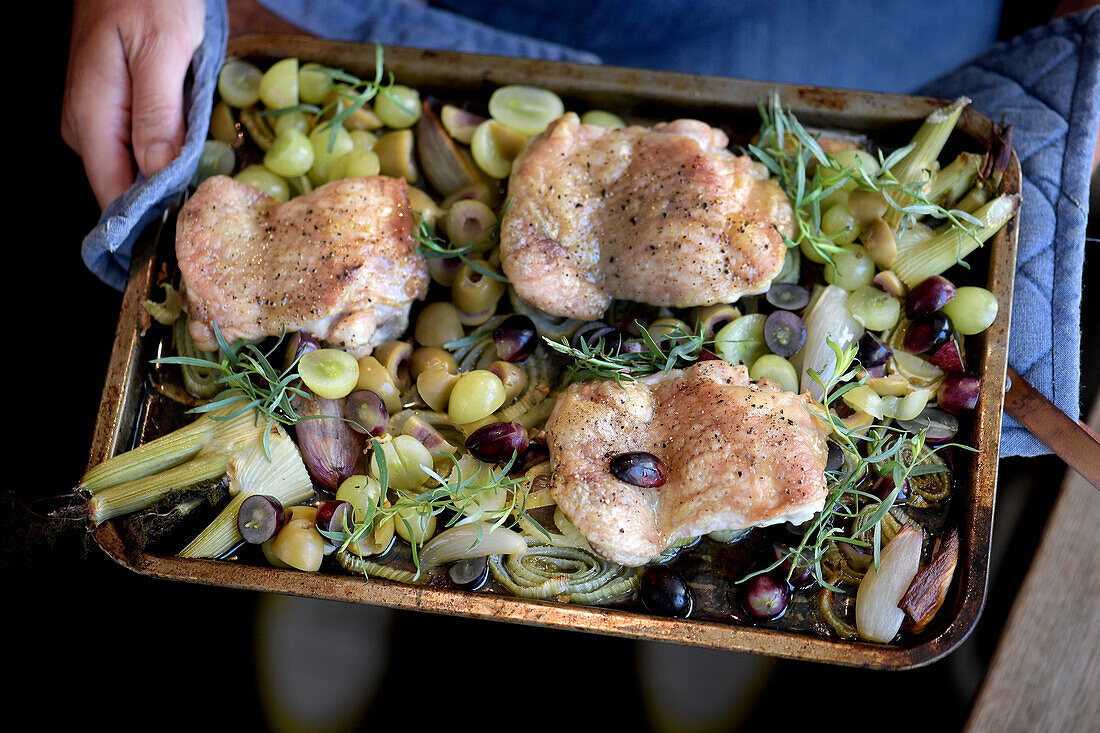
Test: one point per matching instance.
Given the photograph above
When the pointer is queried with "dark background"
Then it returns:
(96, 643)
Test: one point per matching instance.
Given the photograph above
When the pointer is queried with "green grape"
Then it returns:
(279, 84)
(239, 83)
(329, 144)
(525, 109)
(363, 139)
(777, 369)
(972, 310)
(329, 373)
(853, 160)
(839, 225)
(216, 159)
(355, 164)
(475, 396)
(853, 268)
(399, 107)
(290, 154)
(487, 154)
(313, 84)
(602, 118)
(261, 178)
(875, 309)
(295, 120)
(406, 458)
(741, 341)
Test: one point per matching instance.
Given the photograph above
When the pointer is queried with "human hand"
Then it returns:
(123, 99)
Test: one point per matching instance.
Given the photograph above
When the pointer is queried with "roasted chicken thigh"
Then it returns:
(339, 263)
(665, 216)
(737, 454)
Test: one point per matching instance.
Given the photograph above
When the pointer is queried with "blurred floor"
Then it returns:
(95, 643)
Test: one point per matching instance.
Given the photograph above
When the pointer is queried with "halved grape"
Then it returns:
(329, 144)
(329, 373)
(259, 518)
(959, 392)
(741, 341)
(874, 309)
(525, 109)
(788, 296)
(279, 84)
(494, 147)
(784, 333)
(777, 369)
(972, 310)
(515, 338)
(367, 412)
(239, 83)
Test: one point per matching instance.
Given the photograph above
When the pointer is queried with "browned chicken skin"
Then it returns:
(663, 216)
(339, 263)
(737, 454)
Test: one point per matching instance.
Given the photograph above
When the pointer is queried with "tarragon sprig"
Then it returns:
(632, 358)
(809, 175)
(430, 245)
(878, 446)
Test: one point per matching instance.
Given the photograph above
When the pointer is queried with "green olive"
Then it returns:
(396, 152)
(665, 326)
(713, 317)
(475, 396)
(473, 292)
(878, 239)
(375, 377)
(438, 324)
(223, 126)
(435, 385)
(395, 356)
(299, 544)
(425, 357)
(469, 221)
(513, 377)
(425, 207)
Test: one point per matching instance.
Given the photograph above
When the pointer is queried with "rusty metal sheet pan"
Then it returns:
(642, 96)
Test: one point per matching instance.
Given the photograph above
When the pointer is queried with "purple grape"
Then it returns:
(333, 515)
(639, 469)
(765, 597)
(959, 392)
(535, 454)
(497, 443)
(515, 338)
(367, 412)
(784, 333)
(929, 296)
(259, 518)
(927, 333)
(799, 574)
(871, 352)
(788, 296)
(664, 591)
(835, 459)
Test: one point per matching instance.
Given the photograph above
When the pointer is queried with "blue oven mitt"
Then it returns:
(1045, 82)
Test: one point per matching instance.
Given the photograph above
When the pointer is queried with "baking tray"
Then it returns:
(641, 95)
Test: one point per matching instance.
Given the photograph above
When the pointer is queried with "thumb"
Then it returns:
(157, 72)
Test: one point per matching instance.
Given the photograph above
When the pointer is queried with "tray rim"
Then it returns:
(120, 392)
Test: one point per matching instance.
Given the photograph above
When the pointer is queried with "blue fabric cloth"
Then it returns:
(1046, 82)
